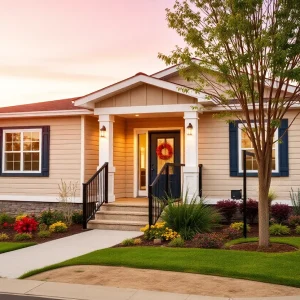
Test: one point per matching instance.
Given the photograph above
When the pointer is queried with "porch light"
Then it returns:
(102, 131)
(189, 129)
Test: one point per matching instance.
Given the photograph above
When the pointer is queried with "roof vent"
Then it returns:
(140, 73)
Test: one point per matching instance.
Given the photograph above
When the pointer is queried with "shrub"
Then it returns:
(23, 236)
(278, 229)
(177, 242)
(190, 218)
(227, 208)
(5, 218)
(137, 241)
(251, 210)
(26, 224)
(50, 217)
(44, 234)
(231, 233)
(77, 217)
(43, 227)
(297, 230)
(20, 217)
(239, 226)
(4, 237)
(295, 198)
(294, 221)
(280, 212)
(128, 242)
(58, 227)
(159, 231)
(209, 240)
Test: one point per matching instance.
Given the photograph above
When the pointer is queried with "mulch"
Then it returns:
(73, 229)
(273, 248)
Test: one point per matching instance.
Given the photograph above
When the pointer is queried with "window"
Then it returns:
(245, 144)
(24, 151)
(238, 141)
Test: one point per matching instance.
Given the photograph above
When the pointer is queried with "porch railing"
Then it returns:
(160, 190)
(161, 187)
(95, 193)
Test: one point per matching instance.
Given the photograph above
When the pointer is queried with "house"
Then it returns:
(136, 126)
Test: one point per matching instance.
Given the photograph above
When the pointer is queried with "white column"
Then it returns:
(106, 152)
(191, 170)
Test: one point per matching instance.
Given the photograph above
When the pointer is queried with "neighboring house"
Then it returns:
(42, 143)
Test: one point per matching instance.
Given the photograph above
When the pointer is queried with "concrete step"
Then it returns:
(116, 225)
(122, 216)
(124, 207)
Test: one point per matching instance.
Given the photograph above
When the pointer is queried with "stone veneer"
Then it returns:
(30, 207)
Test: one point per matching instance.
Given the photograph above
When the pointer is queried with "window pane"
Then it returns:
(35, 166)
(17, 166)
(8, 137)
(8, 147)
(16, 146)
(9, 157)
(142, 160)
(27, 156)
(9, 166)
(35, 156)
(16, 137)
(273, 164)
(35, 136)
(35, 146)
(27, 166)
(27, 136)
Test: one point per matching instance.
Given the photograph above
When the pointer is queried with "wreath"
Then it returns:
(160, 148)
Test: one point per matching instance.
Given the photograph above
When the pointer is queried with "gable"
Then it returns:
(145, 95)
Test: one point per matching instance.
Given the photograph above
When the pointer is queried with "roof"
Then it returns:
(133, 81)
(55, 105)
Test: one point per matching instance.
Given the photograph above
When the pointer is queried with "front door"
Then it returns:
(165, 147)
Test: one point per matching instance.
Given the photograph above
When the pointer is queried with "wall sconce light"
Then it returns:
(102, 131)
(189, 129)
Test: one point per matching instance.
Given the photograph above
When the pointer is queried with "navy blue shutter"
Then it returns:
(284, 148)
(233, 148)
(45, 150)
(1, 149)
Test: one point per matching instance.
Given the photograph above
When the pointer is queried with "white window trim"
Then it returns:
(16, 130)
(240, 125)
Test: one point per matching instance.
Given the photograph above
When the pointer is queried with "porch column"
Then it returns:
(106, 152)
(191, 170)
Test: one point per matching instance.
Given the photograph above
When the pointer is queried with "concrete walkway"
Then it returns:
(15, 263)
(96, 292)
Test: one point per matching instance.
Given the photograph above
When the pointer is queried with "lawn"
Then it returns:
(278, 268)
(10, 246)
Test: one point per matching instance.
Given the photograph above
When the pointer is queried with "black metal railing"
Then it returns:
(200, 180)
(95, 193)
(166, 184)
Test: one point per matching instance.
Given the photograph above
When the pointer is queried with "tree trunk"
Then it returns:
(264, 182)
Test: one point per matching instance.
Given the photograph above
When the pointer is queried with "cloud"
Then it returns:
(42, 72)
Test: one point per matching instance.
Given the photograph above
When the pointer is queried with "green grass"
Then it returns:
(11, 246)
(278, 268)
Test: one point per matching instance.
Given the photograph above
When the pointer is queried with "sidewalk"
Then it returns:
(15, 263)
(96, 292)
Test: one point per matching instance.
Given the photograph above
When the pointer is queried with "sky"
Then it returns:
(56, 49)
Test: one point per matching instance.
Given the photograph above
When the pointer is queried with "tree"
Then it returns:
(249, 63)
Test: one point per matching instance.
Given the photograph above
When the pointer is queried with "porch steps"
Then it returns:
(116, 225)
(120, 216)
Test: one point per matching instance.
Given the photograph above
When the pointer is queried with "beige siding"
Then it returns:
(146, 95)
(119, 157)
(64, 158)
(129, 149)
(214, 155)
(91, 148)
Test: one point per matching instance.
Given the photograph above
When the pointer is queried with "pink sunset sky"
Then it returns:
(55, 49)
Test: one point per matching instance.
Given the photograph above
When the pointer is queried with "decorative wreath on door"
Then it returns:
(161, 147)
